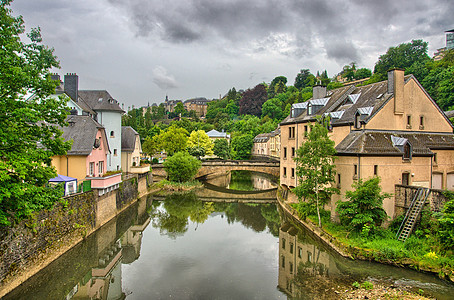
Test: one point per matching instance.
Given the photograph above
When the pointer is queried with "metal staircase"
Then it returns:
(412, 213)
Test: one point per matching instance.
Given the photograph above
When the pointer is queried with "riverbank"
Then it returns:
(345, 248)
(33, 244)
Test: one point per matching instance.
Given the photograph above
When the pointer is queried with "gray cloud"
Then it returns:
(162, 79)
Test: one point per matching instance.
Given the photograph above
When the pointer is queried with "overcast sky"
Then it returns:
(141, 50)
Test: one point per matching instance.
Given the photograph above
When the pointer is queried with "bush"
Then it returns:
(181, 167)
(155, 160)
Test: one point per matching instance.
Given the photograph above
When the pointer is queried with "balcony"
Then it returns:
(105, 184)
(140, 169)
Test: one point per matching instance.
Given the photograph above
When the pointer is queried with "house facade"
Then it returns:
(199, 105)
(131, 148)
(391, 129)
(88, 154)
(267, 144)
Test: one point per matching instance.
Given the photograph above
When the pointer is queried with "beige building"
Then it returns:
(267, 144)
(131, 148)
(391, 129)
(199, 105)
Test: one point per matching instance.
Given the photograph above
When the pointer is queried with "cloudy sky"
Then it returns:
(141, 50)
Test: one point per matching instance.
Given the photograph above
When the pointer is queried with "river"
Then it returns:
(180, 247)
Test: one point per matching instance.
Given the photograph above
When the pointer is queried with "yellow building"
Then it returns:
(391, 129)
(267, 144)
(131, 148)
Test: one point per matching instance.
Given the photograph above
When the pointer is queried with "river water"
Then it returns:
(178, 247)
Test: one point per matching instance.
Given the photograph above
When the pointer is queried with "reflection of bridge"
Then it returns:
(215, 193)
(222, 166)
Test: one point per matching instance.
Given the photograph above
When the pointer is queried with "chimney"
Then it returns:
(318, 92)
(55, 76)
(396, 87)
(72, 85)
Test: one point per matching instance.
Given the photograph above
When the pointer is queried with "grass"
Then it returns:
(177, 186)
(421, 252)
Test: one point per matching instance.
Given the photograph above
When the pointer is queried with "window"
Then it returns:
(291, 132)
(435, 158)
(100, 167)
(375, 170)
(291, 248)
(408, 121)
(285, 152)
(338, 178)
(283, 262)
(357, 120)
(293, 172)
(112, 134)
(293, 151)
(91, 170)
(291, 267)
(407, 151)
(285, 172)
(305, 130)
(309, 256)
(283, 243)
(300, 252)
(421, 122)
(115, 152)
(355, 172)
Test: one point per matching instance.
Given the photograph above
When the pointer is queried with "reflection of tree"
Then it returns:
(173, 220)
(241, 181)
(255, 216)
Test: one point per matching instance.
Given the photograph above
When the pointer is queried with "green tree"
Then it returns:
(315, 167)
(363, 73)
(273, 108)
(242, 146)
(151, 145)
(172, 140)
(179, 109)
(304, 79)
(402, 56)
(277, 86)
(29, 134)
(446, 223)
(221, 148)
(349, 71)
(199, 138)
(181, 167)
(363, 212)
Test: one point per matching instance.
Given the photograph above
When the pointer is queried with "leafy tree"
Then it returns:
(181, 167)
(150, 146)
(402, 56)
(304, 79)
(277, 86)
(315, 167)
(363, 73)
(334, 85)
(363, 212)
(179, 109)
(273, 109)
(29, 135)
(252, 101)
(196, 151)
(199, 138)
(172, 140)
(242, 146)
(221, 148)
(324, 79)
(349, 71)
(446, 227)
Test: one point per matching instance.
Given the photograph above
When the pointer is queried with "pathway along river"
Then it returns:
(183, 248)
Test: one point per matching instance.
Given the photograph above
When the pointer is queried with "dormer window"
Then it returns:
(357, 120)
(404, 146)
(407, 151)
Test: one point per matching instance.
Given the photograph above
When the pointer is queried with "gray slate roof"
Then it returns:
(128, 138)
(82, 131)
(370, 142)
(99, 100)
(216, 134)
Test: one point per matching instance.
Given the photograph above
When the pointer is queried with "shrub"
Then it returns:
(155, 160)
(181, 167)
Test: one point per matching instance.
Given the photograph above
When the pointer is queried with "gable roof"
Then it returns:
(372, 142)
(82, 131)
(216, 134)
(99, 100)
(128, 138)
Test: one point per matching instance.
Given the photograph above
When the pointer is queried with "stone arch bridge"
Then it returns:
(211, 167)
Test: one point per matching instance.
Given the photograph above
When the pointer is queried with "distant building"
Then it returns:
(449, 45)
(131, 148)
(267, 144)
(170, 104)
(215, 135)
(199, 105)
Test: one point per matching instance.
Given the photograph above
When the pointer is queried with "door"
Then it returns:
(405, 178)
(437, 181)
(450, 182)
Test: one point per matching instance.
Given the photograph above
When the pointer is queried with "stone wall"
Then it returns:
(19, 244)
(35, 242)
(404, 195)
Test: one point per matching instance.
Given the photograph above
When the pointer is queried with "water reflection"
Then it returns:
(243, 181)
(309, 269)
